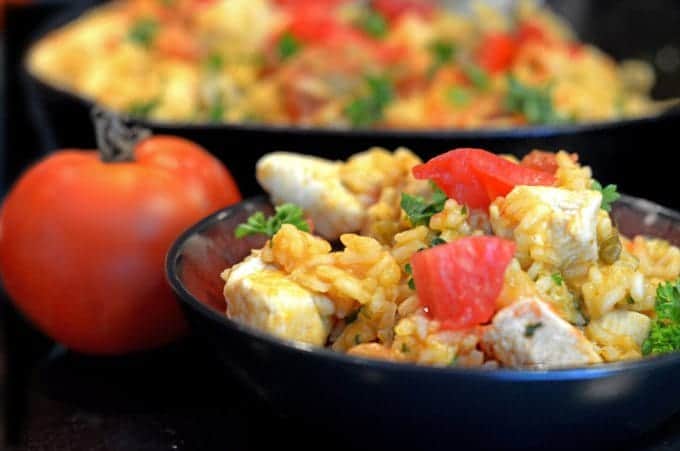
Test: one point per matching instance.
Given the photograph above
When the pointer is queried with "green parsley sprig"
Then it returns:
(369, 109)
(288, 46)
(533, 103)
(143, 31)
(441, 53)
(418, 210)
(285, 214)
(609, 194)
(373, 23)
(664, 336)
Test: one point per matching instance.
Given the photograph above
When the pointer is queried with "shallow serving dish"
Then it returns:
(376, 403)
(619, 152)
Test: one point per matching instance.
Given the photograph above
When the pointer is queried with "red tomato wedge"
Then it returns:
(475, 177)
(497, 52)
(530, 31)
(394, 9)
(452, 172)
(460, 281)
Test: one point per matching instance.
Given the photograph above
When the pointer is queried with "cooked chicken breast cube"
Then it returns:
(315, 185)
(530, 333)
(553, 226)
(261, 296)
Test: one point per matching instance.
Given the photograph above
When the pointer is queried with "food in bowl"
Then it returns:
(403, 64)
(469, 259)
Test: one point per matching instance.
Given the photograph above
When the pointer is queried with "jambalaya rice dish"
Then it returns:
(404, 64)
(470, 259)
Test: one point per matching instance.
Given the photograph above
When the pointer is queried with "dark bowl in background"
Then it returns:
(628, 152)
(386, 405)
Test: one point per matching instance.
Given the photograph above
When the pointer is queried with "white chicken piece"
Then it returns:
(552, 226)
(314, 184)
(261, 296)
(529, 333)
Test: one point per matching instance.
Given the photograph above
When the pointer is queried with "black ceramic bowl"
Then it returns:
(381, 404)
(622, 152)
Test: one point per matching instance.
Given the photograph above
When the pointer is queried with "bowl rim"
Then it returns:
(304, 350)
(73, 12)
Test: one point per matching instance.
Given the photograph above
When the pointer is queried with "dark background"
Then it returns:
(179, 398)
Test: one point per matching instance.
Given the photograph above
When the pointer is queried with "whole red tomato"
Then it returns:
(83, 242)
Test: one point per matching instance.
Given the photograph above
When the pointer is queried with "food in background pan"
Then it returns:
(469, 259)
(381, 63)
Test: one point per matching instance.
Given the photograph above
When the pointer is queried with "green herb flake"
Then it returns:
(630, 300)
(357, 339)
(369, 109)
(609, 195)
(409, 270)
(418, 210)
(143, 109)
(531, 328)
(143, 32)
(411, 283)
(477, 76)
(288, 46)
(285, 214)
(441, 53)
(664, 336)
(454, 361)
(214, 63)
(557, 278)
(405, 349)
(436, 241)
(458, 96)
(464, 210)
(373, 23)
(535, 104)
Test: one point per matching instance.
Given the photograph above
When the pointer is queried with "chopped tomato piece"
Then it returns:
(459, 282)
(543, 161)
(497, 52)
(476, 177)
(499, 176)
(394, 9)
(452, 173)
(530, 31)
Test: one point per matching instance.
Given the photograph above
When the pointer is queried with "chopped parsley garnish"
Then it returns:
(477, 76)
(609, 195)
(664, 335)
(630, 300)
(214, 62)
(369, 109)
(557, 278)
(288, 46)
(143, 32)
(458, 96)
(436, 241)
(418, 210)
(530, 329)
(373, 23)
(143, 109)
(409, 270)
(464, 210)
(442, 53)
(285, 214)
(535, 104)
(454, 361)
(216, 110)
(357, 339)
(404, 348)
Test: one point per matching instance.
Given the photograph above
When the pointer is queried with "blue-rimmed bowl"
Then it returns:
(378, 404)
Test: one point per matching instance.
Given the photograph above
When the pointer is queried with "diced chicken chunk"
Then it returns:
(261, 296)
(530, 333)
(553, 226)
(315, 185)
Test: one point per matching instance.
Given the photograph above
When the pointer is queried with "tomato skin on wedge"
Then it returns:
(460, 281)
(476, 177)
